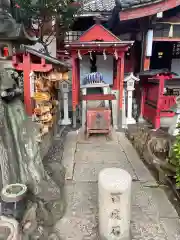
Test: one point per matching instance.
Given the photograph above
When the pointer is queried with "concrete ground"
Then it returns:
(153, 216)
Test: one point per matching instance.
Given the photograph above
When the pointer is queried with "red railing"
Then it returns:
(166, 102)
(153, 111)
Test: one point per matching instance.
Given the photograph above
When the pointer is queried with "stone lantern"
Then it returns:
(130, 80)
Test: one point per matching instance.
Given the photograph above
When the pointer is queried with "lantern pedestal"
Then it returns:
(141, 119)
(124, 120)
(115, 109)
(173, 129)
(131, 121)
(66, 120)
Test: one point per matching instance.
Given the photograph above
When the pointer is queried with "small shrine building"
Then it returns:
(98, 41)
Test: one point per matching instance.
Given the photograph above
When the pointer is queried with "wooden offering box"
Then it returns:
(98, 120)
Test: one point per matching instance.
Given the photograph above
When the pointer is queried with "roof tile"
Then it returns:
(98, 5)
(108, 5)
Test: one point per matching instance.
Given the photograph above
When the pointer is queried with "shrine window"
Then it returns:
(161, 55)
(72, 36)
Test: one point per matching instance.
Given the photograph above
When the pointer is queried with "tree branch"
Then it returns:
(52, 39)
(52, 32)
(60, 10)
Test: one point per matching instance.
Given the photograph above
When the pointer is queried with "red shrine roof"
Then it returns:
(98, 33)
(36, 53)
(96, 37)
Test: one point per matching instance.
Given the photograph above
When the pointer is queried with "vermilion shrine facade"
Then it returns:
(100, 41)
(29, 60)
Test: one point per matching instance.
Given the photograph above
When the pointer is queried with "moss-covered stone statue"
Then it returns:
(20, 159)
(7, 22)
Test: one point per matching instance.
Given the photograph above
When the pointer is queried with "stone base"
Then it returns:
(120, 238)
(115, 127)
(131, 121)
(173, 132)
(120, 127)
(141, 119)
(74, 119)
(65, 122)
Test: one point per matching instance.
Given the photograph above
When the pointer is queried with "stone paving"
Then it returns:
(153, 216)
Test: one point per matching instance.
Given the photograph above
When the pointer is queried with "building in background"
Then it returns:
(153, 25)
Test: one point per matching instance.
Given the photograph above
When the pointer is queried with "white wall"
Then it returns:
(175, 66)
(103, 66)
(106, 68)
(51, 46)
(84, 67)
(6, 64)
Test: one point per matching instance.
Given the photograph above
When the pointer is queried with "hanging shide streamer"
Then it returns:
(171, 30)
(104, 54)
(116, 55)
(90, 53)
(79, 55)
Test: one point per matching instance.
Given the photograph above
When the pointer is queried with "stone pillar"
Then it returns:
(115, 108)
(60, 104)
(142, 101)
(106, 91)
(66, 120)
(32, 83)
(130, 119)
(65, 89)
(84, 108)
(27, 87)
(74, 90)
(124, 120)
(114, 185)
